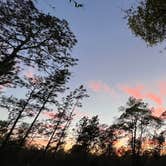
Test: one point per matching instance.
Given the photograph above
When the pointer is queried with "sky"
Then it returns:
(113, 63)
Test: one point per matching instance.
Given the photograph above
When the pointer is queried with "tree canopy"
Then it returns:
(148, 20)
(29, 37)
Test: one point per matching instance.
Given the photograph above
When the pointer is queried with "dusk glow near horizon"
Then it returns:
(113, 63)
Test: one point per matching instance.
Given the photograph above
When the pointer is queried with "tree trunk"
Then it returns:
(40, 110)
(65, 128)
(53, 133)
(15, 122)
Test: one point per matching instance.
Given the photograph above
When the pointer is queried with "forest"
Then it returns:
(35, 94)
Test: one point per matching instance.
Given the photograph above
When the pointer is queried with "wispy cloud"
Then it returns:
(154, 92)
(99, 86)
(144, 92)
(133, 91)
(161, 85)
(154, 97)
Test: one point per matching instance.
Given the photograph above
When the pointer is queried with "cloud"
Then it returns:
(95, 86)
(157, 99)
(162, 87)
(30, 74)
(153, 92)
(99, 86)
(144, 92)
(135, 92)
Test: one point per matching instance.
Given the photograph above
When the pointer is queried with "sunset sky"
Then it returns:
(113, 63)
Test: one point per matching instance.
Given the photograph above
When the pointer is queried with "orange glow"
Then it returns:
(121, 142)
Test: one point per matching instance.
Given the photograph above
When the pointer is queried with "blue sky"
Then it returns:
(110, 54)
(110, 57)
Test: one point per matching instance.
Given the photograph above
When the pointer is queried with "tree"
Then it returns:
(159, 139)
(21, 131)
(63, 118)
(87, 133)
(76, 3)
(29, 37)
(137, 120)
(19, 108)
(48, 93)
(3, 129)
(74, 101)
(147, 20)
(107, 138)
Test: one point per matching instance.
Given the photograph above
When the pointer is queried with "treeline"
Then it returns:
(36, 60)
(141, 136)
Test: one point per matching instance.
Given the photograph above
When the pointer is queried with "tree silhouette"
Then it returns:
(29, 37)
(107, 138)
(50, 87)
(137, 120)
(159, 139)
(76, 3)
(75, 101)
(148, 21)
(64, 117)
(87, 133)
(3, 129)
(20, 107)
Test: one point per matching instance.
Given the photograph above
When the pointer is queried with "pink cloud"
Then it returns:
(135, 92)
(99, 86)
(153, 92)
(157, 99)
(162, 87)
(95, 86)
(142, 92)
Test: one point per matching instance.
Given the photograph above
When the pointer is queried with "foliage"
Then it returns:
(61, 121)
(29, 37)
(107, 138)
(147, 20)
(76, 3)
(87, 133)
(136, 120)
